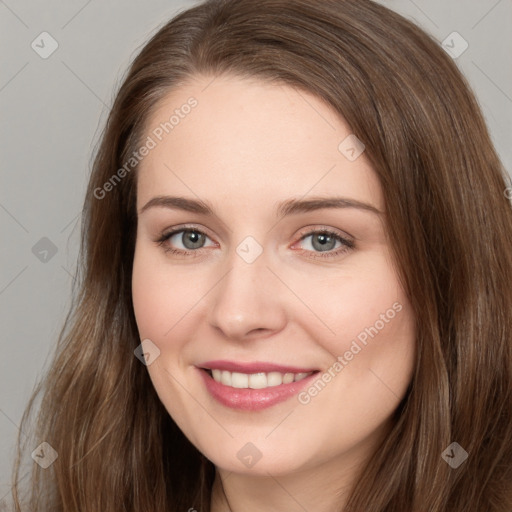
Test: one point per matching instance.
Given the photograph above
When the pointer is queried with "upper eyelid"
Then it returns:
(302, 234)
(179, 229)
(347, 244)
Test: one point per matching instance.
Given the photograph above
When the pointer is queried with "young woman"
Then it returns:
(295, 289)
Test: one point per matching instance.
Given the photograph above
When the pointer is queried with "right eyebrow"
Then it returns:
(179, 203)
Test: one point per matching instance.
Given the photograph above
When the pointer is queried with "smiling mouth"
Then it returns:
(260, 380)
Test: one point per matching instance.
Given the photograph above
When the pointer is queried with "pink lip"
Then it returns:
(255, 367)
(252, 399)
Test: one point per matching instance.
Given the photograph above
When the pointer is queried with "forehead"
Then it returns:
(224, 137)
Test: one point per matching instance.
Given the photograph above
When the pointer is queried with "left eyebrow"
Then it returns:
(288, 207)
(295, 206)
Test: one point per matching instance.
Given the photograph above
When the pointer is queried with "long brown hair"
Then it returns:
(449, 224)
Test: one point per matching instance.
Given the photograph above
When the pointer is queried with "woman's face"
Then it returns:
(256, 291)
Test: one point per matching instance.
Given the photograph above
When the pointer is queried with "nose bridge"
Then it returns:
(246, 298)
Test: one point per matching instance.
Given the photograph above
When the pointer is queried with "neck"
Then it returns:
(322, 489)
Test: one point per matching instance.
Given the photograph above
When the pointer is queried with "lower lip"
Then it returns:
(252, 399)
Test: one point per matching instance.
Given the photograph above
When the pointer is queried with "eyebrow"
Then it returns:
(288, 207)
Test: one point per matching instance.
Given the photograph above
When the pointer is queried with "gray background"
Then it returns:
(53, 110)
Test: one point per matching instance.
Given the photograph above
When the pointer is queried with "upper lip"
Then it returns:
(252, 367)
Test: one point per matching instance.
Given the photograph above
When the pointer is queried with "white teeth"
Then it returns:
(239, 380)
(288, 377)
(256, 380)
(275, 378)
(226, 378)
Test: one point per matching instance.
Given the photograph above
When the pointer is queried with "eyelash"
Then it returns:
(347, 244)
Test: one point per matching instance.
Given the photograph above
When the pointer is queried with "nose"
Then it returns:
(249, 301)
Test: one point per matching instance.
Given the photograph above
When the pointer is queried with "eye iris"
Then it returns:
(325, 241)
(197, 239)
(320, 241)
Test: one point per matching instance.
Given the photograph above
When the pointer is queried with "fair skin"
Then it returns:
(247, 146)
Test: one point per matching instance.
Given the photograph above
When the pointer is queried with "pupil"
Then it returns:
(191, 236)
(323, 242)
(320, 242)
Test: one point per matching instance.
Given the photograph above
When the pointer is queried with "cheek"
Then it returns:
(364, 322)
(353, 304)
(162, 296)
(150, 305)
